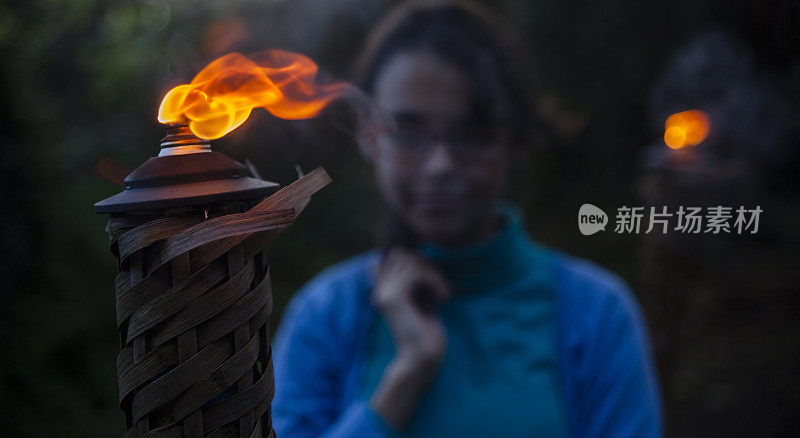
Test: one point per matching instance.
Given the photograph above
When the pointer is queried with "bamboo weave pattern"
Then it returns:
(193, 300)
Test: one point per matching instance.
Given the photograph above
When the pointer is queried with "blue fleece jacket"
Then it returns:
(539, 344)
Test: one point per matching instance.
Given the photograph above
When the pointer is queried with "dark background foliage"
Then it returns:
(83, 79)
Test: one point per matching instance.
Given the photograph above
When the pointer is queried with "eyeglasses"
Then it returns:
(413, 139)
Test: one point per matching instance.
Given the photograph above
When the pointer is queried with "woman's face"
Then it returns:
(438, 167)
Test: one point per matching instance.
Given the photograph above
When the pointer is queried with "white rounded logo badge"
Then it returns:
(591, 219)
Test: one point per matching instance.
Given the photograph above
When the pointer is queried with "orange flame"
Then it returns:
(222, 95)
(686, 128)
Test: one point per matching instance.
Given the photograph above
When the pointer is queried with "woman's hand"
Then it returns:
(407, 292)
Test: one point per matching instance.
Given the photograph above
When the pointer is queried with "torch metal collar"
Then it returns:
(185, 173)
(183, 150)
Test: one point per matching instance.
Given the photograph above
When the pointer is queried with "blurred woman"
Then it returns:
(461, 325)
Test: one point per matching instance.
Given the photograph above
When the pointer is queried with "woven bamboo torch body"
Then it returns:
(193, 292)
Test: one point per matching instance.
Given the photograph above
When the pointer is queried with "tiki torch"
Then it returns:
(190, 229)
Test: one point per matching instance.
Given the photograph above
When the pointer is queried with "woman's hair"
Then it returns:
(470, 39)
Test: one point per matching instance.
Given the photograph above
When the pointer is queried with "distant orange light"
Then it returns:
(686, 128)
(222, 95)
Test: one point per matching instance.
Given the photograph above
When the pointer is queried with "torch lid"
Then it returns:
(195, 176)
